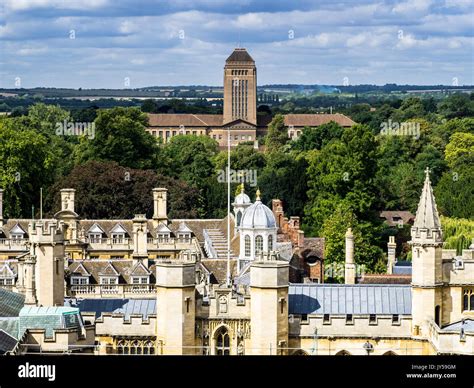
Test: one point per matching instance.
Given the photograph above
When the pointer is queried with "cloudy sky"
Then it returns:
(107, 43)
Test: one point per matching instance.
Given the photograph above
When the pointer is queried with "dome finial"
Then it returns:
(258, 195)
(242, 188)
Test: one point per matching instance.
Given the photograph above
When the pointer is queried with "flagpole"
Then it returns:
(228, 209)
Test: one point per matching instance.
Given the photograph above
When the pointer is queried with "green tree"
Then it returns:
(455, 193)
(27, 163)
(317, 137)
(284, 177)
(343, 170)
(120, 136)
(277, 135)
(460, 150)
(107, 190)
(457, 105)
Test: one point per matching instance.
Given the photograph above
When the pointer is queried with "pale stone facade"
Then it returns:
(239, 122)
(173, 298)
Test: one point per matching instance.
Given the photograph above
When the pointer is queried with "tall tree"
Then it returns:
(107, 190)
(120, 136)
(277, 135)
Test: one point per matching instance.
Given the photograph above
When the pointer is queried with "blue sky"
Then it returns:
(185, 42)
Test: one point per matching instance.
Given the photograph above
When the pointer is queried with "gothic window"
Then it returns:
(247, 246)
(270, 243)
(468, 300)
(222, 342)
(258, 244)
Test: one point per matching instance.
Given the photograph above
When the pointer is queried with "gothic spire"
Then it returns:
(427, 214)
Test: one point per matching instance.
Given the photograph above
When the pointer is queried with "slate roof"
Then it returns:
(218, 268)
(341, 299)
(312, 246)
(468, 326)
(10, 325)
(97, 267)
(402, 268)
(10, 303)
(7, 342)
(127, 307)
(395, 278)
(392, 216)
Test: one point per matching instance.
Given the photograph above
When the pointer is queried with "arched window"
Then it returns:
(270, 243)
(466, 302)
(438, 315)
(222, 342)
(258, 244)
(472, 301)
(247, 246)
(239, 217)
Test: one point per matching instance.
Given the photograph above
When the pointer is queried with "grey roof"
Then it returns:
(10, 303)
(7, 342)
(349, 299)
(427, 213)
(468, 326)
(10, 325)
(401, 269)
(127, 307)
(239, 55)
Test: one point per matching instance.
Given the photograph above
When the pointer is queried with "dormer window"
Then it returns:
(184, 233)
(17, 233)
(95, 234)
(106, 280)
(118, 234)
(163, 233)
(79, 280)
(80, 276)
(184, 237)
(7, 276)
(140, 279)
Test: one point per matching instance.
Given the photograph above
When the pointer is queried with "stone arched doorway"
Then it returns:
(390, 353)
(343, 353)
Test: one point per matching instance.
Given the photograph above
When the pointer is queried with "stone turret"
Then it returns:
(46, 239)
(176, 305)
(269, 305)
(427, 274)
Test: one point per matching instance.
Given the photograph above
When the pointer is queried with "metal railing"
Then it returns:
(111, 289)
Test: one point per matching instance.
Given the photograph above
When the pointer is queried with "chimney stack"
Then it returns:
(160, 196)
(68, 199)
(349, 268)
(392, 248)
